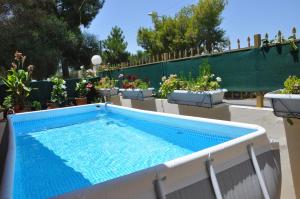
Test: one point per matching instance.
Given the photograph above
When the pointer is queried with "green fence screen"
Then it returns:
(242, 70)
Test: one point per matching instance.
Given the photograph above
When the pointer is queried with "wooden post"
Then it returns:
(165, 56)
(229, 45)
(239, 43)
(185, 53)
(174, 54)
(169, 56)
(248, 40)
(294, 32)
(259, 99)
(257, 40)
(279, 34)
(179, 53)
(192, 52)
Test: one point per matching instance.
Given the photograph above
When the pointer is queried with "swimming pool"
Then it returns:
(65, 150)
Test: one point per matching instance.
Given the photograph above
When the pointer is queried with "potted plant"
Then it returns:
(82, 90)
(18, 84)
(58, 93)
(286, 104)
(133, 88)
(286, 101)
(107, 87)
(8, 105)
(36, 106)
(202, 91)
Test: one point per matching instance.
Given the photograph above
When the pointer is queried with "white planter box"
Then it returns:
(137, 94)
(285, 105)
(203, 99)
(108, 91)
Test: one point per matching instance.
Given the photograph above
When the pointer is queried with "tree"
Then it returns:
(193, 26)
(115, 47)
(44, 31)
(138, 56)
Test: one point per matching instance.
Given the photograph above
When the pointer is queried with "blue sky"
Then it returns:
(241, 18)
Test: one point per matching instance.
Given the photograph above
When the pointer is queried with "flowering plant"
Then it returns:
(59, 93)
(206, 81)
(18, 80)
(89, 73)
(132, 82)
(291, 85)
(81, 88)
(106, 82)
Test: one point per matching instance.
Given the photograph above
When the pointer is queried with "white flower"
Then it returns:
(81, 67)
(84, 81)
(218, 79)
(63, 87)
(54, 87)
(163, 78)
(212, 75)
(121, 75)
(48, 79)
(63, 81)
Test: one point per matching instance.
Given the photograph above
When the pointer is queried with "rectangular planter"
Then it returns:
(108, 91)
(285, 105)
(203, 99)
(137, 94)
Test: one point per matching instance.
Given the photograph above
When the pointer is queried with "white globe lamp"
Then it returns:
(96, 61)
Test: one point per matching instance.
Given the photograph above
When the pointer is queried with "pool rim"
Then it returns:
(9, 167)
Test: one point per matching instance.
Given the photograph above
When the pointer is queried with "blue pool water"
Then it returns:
(62, 154)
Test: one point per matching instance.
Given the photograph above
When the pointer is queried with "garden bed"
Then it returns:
(108, 91)
(203, 99)
(285, 105)
(137, 94)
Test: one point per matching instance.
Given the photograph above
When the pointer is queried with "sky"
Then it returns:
(241, 18)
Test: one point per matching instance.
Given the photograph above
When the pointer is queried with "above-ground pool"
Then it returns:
(72, 151)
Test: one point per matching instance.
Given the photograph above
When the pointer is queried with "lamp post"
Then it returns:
(96, 61)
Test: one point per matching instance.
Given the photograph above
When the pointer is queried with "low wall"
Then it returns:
(260, 116)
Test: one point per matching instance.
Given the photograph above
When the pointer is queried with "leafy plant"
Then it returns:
(18, 84)
(36, 105)
(106, 82)
(291, 85)
(59, 93)
(169, 85)
(204, 82)
(131, 82)
(8, 102)
(81, 88)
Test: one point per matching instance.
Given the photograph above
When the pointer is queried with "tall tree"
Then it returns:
(115, 47)
(193, 26)
(44, 31)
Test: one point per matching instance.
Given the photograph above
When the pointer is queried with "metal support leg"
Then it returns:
(213, 178)
(258, 172)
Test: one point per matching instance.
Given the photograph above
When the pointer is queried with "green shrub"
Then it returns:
(206, 81)
(291, 85)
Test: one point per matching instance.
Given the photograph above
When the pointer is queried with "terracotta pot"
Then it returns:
(81, 100)
(51, 105)
(18, 109)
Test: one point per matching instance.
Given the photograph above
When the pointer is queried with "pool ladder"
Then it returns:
(158, 183)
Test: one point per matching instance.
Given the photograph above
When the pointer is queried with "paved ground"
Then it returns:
(247, 102)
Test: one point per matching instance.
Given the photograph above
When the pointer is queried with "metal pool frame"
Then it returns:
(177, 176)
